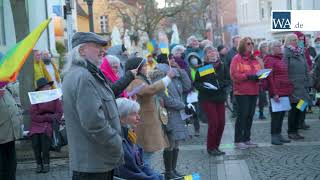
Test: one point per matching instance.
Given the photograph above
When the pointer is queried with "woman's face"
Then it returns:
(194, 43)
(133, 119)
(178, 54)
(144, 69)
(294, 42)
(277, 49)
(249, 46)
(171, 60)
(212, 55)
(115, 68)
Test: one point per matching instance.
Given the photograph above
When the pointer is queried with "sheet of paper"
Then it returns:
(283, 105)
(192, 97)
(183, 115)
(38, 97)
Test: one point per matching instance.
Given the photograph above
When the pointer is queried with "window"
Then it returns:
(104, 24)
(2, 32)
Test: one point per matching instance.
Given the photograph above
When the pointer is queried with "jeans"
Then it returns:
(41, 145)
(246, 109)
(92, 176)
(8, 161)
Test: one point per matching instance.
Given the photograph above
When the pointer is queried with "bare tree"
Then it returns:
(146, 15)
(193, 20)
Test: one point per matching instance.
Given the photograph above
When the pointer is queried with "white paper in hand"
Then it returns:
(283, 105)
(210, 86)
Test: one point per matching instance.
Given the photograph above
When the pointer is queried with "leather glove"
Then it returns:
(253, 77)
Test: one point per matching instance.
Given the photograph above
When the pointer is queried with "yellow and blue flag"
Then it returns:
(194, 176)
(302, 105)
(205, 70)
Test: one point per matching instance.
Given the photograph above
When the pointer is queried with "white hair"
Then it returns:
(177, 49)
(190, 39)
(262, 44)
(272, 44)
(289, 38)
(113, 59)
(205, 43)
(73, 57)
(127, 106)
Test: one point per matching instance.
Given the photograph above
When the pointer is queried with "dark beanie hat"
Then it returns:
(162, 59)
(133, 63)
(220, 47)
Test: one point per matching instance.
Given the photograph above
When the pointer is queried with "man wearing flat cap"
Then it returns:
(90, 111)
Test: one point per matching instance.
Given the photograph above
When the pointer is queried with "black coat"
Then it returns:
(218, 79)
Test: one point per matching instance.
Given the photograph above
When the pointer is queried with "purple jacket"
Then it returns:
(42, 116)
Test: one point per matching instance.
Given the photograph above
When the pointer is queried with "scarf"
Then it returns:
(295, 50)
(40, 71)
(132, 136)
(108, 73)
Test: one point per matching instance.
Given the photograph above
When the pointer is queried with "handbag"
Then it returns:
(59, 136)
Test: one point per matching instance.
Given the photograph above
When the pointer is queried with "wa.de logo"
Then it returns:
(281, 20)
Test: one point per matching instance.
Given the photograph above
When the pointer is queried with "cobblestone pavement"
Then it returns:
(295, 161)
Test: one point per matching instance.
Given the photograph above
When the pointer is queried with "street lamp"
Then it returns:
(90, 12)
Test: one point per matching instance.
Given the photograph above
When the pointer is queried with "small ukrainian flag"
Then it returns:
(205, 70)
(302, 105)
(194, 176)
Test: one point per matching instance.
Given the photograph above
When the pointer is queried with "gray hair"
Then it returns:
(262, 44)
(113, 59)
(235, 37)
(73, 57)
(272, 44)
(177, 49)
(206, 42)
(190, 39)
(289, 38)
(127, 106)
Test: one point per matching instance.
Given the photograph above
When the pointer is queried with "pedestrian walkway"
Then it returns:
(294, 161)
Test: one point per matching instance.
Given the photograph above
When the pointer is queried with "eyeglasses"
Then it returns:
(250, 43)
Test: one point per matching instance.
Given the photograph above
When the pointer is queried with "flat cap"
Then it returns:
(86, 37)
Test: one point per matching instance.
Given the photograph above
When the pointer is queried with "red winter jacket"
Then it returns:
(278, 80)
(240, 68)
(42, 116)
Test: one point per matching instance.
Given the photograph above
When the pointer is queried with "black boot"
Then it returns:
(174, 162)
(167, 160)
(39, 168)
(46, 168)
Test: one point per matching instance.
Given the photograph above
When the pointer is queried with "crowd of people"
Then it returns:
(120, 109)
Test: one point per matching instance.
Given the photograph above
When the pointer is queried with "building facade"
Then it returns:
(254, 16)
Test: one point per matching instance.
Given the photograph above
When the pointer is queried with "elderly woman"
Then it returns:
(243, 70)
(176, 129)
(178, 55)
(43, 116)
(279, 85)
(212, 100)
(263, 49)
(149, 131)
(110, 68)
(134, 167)
(193, 45)
(298, 75)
